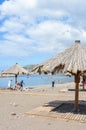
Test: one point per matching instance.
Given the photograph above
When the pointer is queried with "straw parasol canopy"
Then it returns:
(6, 75)
(14, 70)
(71, 60)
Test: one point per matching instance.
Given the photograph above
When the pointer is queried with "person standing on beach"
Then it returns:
(10, 83)
(53, 83)
(21, 85)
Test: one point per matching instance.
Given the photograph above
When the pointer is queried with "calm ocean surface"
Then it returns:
(36, 80)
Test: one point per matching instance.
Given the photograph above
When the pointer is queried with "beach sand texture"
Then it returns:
(32, 109)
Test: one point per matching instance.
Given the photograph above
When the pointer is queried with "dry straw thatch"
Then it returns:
(72, 60)
(14, 70)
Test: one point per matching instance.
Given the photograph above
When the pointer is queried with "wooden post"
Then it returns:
(77, 80)
(15, 78)
(76, 96)
(83, 83)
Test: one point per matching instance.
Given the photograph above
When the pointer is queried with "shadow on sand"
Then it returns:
(67, 106)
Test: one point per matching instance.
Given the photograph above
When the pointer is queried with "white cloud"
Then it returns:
(12, 25)
(50, 35)
(14, 49)
(17, 6)
(31, 26)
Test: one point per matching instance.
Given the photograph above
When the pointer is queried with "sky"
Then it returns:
(32, 31)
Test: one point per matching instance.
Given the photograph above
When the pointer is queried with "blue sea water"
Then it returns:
(36, 80)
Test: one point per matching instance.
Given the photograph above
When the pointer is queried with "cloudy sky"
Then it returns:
(31, 31)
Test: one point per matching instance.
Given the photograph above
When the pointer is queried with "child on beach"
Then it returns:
(17, 85)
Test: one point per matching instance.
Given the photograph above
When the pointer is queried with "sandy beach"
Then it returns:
(31, 109)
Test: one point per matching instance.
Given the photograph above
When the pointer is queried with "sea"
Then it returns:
(36, 80)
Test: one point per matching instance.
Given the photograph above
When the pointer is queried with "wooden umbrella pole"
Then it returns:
(83, 83)
(76, 96)
(15, 79)
(77, 80)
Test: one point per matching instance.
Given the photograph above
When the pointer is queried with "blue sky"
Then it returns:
(1, 1)
(31, 31)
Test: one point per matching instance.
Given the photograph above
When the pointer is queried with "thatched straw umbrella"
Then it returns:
(14, 70)
(72, 60)
(6, 75)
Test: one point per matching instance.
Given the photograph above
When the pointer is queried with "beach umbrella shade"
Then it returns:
(71, 60)
(6, 75)
(14, 70)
